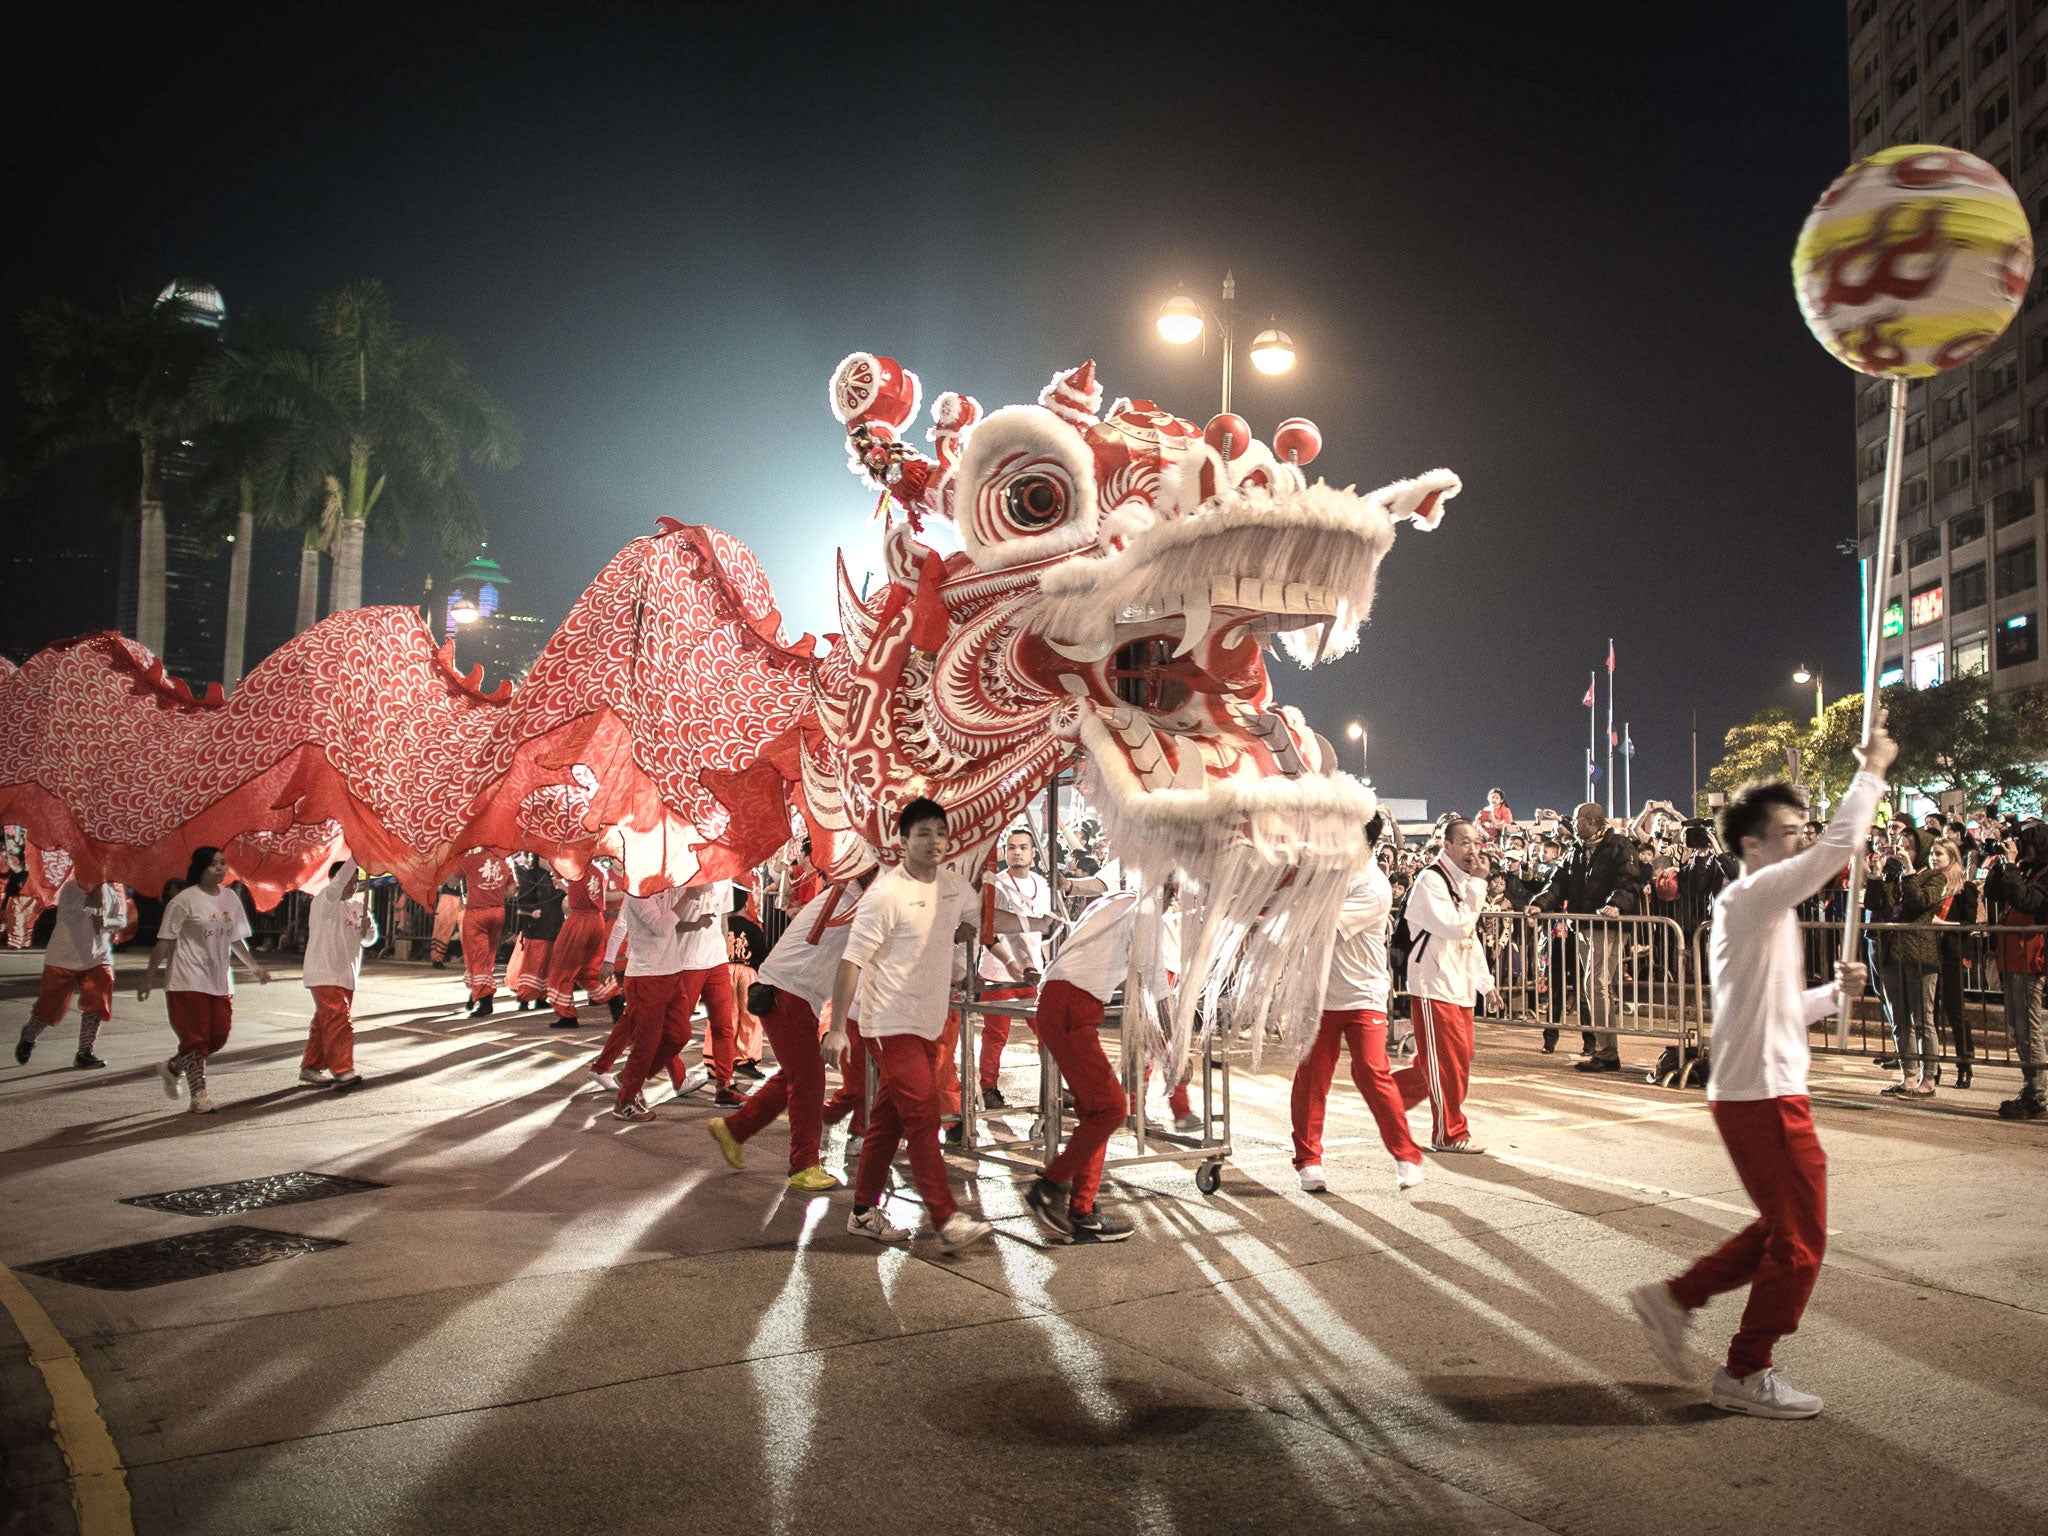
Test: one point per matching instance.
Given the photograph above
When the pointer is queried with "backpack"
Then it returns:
(1402, 941)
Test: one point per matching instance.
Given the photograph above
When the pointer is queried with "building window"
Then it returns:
(2000, 377)
(1894, 623)
(1951, 409)
(2035, 144)
(2000, 441)
(1971, 656)
(1914, 492)
(1902, 23)
(1873, 458)
(1916, 432)
(1904, 81)
(1865, 14)
(2019, 641)
(1925, 607)
(1948, 94)
(1955, 471)
(1944, 35)
(1923, 547)
(2009, 507)
(1993, 113)
(1967, 587)
(1893, 674)
(1867, 124)
(2015, 570)
(2037, 425)
(2034, 73)
(1907, 132)
(1966, 528)
(1927, 665)
(1991, 48)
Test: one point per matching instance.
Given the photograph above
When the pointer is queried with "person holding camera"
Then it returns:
(1598, 878)
(2016, 885)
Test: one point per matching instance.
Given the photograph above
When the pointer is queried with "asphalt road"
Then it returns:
(549, 1321)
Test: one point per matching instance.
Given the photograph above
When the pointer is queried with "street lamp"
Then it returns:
(1802, 677)
(463, 611)
(1183, 318)
(1357, 732)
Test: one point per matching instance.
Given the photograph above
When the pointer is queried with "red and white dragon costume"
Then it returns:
(1120, 571)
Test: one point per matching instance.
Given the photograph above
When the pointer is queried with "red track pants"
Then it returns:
(94, 988)
(1442, 1067)
(575, 960)
(331, 1043)
(995, 1031)
(1068, 1021)
(1778, 1157)
(657, 1018)
(533, 968)
(482, 928)
(1364, 1032)
(798, 1084)
(906, 1110)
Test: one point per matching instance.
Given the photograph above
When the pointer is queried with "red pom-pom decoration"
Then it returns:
(1229, 435)
(1298, 440)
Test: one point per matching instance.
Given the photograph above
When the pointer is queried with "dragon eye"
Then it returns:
(1035, 501)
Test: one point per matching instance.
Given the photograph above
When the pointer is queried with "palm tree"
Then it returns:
(125, 377)
(255, 469)
(388, 421)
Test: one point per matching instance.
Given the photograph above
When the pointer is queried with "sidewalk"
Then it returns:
(551, 1321)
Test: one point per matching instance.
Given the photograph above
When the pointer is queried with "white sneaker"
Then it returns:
(1407, 1175)
(201, 1104)
(608, 1081)
(1312, 1178)
(1763, 1395)
(693, 1082)
(168, 1078)
(1666, 1322)
(962, 1231)
(315, 1077)
(872, 1223)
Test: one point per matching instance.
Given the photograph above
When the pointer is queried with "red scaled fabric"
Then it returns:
(643, 725)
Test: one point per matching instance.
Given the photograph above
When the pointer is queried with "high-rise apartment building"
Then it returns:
(1967, 568)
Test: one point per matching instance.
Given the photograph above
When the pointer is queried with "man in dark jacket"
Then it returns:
(1598, 878)
(536, 919)
(2016, 885)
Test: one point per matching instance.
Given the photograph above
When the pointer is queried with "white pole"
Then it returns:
(1873, 642)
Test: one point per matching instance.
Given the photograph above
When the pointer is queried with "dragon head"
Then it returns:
(1123, 574)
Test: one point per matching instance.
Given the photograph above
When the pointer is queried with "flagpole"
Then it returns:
(1628, 774)
(1592, 728)
(1610, 727)
(1873, 647)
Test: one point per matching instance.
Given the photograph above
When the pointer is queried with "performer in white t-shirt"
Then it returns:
(202, 933)
(1757, 1092)
(339, 928)
(899, 956)
(799, 971)
(80, 961)
(1010, 965)
(1355, 1016)
(676, 953)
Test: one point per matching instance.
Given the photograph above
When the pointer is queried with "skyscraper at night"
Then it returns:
(1966, 570)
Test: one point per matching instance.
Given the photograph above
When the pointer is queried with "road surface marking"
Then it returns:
(99, 1486)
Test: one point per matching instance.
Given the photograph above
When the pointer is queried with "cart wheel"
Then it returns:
(1209, 1178)
(1694, 1075)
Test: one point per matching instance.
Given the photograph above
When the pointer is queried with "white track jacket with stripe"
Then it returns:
(1447, 963)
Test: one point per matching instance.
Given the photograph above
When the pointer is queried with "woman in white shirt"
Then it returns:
(80, 960)
(338, 929)
(202, 932)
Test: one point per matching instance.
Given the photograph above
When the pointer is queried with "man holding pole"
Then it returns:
(1758, 1093)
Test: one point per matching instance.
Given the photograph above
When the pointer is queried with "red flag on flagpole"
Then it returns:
(1587, 701)
(1613, 740)
(1610, 658)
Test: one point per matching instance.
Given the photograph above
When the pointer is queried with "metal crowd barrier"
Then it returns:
(1631, 976)
(1969, 1016)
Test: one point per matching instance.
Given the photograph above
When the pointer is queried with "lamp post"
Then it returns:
(1183, 318)
(1357, 732)
(1803, 676)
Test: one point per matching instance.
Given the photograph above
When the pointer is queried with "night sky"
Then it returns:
(1549, 256)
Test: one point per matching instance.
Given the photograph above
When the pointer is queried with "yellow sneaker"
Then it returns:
(814, 1180)
(727, 1143)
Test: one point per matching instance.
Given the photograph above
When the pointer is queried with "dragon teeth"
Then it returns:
(1195, 606)
(1086, 652)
